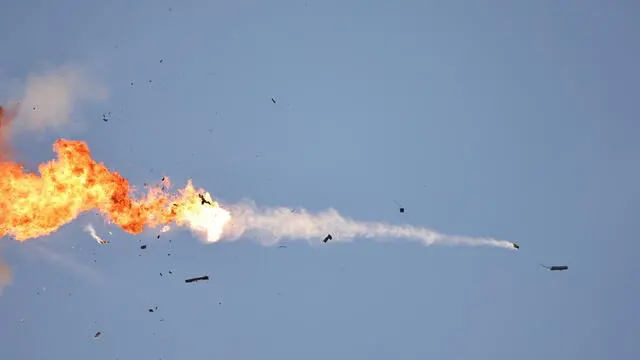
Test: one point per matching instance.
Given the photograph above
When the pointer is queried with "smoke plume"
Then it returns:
(48, 99)
(5, 275)
(271, 225)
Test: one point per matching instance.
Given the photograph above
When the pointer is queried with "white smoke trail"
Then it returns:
(271, 225)
(89, 228)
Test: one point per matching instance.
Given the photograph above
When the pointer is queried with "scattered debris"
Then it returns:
(273, 100)
(106, 116)
(204, 201)
(327, 238)
(143, 247)
(153, 309)
(555, 268)
(162, 60)
(97, 335)
(515, 246)
(206, 277)
(170, 272)
(282, 247)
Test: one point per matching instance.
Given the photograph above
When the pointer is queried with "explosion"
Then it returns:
(32, 206)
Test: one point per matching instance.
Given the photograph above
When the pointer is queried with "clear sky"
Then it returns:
(514, 120)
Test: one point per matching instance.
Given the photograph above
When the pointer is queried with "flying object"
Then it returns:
(555, 268)
(204, 201)
(515, 246)
(273, 100)
(327, 238)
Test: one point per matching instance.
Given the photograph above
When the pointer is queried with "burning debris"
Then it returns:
(89, 228)
(327, 238)
(196, 279)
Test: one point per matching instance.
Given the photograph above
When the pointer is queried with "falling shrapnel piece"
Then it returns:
(327, 238)
(555, 268)
(203, 200)
(97, 335)
(515, 246)
(273, 100)
(206, 277)
(143, 247)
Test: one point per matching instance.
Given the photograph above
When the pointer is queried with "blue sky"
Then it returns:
(516, 121)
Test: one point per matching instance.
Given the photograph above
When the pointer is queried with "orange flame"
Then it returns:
(32, 206)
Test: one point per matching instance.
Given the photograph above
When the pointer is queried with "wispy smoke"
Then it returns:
(49, 99)
(5, 275)
(67, 261)
(271, 225)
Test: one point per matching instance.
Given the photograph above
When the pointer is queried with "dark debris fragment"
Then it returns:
(143, 247)
(195, 279)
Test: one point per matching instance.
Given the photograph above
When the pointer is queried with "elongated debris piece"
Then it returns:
(206, 277)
